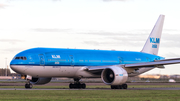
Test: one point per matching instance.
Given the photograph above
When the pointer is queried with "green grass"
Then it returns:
(90, 95)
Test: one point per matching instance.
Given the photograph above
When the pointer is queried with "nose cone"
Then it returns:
(17, 66)
(13, 65)
(14, 68)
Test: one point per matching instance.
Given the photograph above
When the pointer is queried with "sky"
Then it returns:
(88, 24)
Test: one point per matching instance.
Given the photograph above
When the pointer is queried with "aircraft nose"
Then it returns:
(18, 68)
(15, 67)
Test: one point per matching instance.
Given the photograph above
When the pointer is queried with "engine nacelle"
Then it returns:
(40, 81)
(114, 75)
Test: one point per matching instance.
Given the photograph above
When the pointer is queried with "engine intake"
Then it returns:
(40, 81)
(114, 75)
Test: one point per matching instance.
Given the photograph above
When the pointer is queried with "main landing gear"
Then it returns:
(77, 84)
(123, 86)
(28, 85)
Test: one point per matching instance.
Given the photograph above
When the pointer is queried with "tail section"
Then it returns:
(152, 44)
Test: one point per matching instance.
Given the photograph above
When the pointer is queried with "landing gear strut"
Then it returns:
(77, 84)
(123, 86)
(28, 85)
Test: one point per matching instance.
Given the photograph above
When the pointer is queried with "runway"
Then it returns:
(92, 89)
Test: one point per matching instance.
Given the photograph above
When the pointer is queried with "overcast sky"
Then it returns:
(88, 24)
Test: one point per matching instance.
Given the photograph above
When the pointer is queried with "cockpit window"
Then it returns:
(21, 57)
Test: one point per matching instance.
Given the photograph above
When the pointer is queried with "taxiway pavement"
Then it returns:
(92, 89)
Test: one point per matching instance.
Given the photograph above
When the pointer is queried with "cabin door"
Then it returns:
(71, 60)
(42, 60)
(148, 60)
(120, 60)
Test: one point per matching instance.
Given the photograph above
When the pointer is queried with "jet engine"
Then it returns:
(114, 75)
(40, 81)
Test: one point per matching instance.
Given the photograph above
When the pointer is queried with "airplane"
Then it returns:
(38, 65)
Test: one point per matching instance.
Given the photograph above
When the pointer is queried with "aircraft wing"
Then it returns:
(154, 64)
(137, 65)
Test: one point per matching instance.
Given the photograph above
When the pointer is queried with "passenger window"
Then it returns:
(17, 57)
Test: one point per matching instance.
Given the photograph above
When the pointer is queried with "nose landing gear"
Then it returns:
(28, 85)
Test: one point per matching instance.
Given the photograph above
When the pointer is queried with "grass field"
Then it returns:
(90, 95)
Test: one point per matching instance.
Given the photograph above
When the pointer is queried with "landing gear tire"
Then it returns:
(119, 87)
(113, 87)
(70, 85)
(124, 86)
(83, 86)
(77, 84)
(28, 86)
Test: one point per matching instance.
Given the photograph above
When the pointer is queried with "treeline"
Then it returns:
(4, 72)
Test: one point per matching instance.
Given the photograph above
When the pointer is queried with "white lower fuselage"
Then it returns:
(62, 71)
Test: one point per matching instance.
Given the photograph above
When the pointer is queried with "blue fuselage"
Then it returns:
(79, 57)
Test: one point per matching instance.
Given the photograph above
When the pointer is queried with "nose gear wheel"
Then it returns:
(28, 85)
